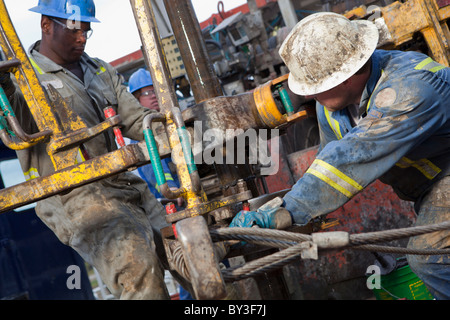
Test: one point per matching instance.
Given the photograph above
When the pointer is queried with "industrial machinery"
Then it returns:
(214, 191)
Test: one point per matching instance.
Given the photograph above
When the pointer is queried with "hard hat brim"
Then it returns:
(56, 14)
(369, 38)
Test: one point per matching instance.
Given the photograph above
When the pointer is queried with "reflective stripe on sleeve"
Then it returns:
(430, 65)
(335, 178)
(102, 69)
(80, 157)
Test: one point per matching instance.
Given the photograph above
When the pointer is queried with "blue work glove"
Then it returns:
(270, 215)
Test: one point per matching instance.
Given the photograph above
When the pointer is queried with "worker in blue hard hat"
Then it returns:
(140, 85)
(66, 26)
(114, 223)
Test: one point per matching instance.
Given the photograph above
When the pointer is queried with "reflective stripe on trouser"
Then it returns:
(433, 270)
(114, 225)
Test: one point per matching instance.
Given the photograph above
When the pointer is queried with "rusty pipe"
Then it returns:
(202, 78)
(30, 139)
(10, 143)
(21, 145)
(10, 116)
(10, 65)
(154, 55)
(204, 82)
(156, 160)
(193, 172)
(162, 80)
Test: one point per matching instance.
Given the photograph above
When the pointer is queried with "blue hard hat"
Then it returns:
(78, 10)
(140, 79)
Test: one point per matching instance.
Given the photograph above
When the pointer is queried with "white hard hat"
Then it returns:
(325, 49)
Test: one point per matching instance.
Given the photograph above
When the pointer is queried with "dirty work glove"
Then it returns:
(270, 215)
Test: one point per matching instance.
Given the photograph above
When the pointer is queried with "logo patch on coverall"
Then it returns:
(56, 83)
(385, 98)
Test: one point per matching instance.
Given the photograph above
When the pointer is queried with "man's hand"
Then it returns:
(270, 215)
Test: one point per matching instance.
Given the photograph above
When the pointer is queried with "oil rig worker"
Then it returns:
(382, 115)
(140, 85)
(115, 223)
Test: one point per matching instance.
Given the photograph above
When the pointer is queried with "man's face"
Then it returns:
(67, 43)
(336, 98)
(148, 99)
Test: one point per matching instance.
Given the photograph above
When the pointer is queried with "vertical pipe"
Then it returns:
(162, 82)
(288, 12)
(154, 55)
(204, 82)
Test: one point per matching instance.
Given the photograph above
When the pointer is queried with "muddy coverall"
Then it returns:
(400, 134)
(114, 224)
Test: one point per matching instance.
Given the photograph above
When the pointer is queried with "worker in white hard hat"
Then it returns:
(382, 115)
(114, 223)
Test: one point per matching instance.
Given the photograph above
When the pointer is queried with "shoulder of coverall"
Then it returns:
(405, 75)
(392, 69)
(406, 61)
(387, 64)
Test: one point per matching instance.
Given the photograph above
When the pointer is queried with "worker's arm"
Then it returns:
(343, 168)
(131, 112)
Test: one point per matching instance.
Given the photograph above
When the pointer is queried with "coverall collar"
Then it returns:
(371, 83)
(48, 66)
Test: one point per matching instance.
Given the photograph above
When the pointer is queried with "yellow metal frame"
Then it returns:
(405, 20)
(62, 130)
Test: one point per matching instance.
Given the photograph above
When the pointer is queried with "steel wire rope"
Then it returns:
(284, 238)
(389, 235)
(294, 243)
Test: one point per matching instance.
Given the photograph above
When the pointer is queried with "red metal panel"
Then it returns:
(341, 274)
(283, 178)
(128, 58)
